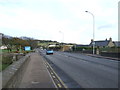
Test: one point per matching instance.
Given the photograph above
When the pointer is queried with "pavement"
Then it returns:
(99, 56)
(36, 74)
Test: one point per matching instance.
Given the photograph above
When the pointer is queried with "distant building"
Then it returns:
(103, 43)
(3, 47)
(67, 48)
(81, 45)
(52, 45)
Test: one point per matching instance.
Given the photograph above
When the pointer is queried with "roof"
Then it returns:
(117, 43)
(101, 43)
(51, 45)
(68, 45)
(82, 45)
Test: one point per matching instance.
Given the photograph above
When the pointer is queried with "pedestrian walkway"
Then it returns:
(99, 56)
(36, 74)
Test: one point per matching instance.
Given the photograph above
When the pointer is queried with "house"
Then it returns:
(3, 47)
(117, 43)
(103, 43)
(66, 48)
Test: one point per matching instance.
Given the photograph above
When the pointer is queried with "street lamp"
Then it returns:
(62, 40)
(93, 30)
(63, 36)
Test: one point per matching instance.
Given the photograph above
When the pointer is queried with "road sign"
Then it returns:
(27, 48)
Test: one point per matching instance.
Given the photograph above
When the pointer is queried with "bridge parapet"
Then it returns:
(11, 76)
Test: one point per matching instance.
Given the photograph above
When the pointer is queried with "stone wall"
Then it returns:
(111, 54)
(12, 76)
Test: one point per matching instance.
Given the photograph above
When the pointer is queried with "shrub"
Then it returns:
(7, 59)
(81, 48)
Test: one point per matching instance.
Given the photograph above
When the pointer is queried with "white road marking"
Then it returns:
(34, 82)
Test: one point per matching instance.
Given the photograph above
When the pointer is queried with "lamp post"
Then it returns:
(63, 39)
(63, 35)
(93, 43)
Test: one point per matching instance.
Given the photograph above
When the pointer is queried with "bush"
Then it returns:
(7, 59)
(108, 49)
(25, 52)
(81, 48)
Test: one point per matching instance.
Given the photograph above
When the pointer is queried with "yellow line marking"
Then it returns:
(56, 74)
(53, 76)
(59, 85)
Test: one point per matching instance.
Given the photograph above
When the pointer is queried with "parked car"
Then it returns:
(49, 51)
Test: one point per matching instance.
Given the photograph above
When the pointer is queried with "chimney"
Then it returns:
(91, 40)
(110, 39)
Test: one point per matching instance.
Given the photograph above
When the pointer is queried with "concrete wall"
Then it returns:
(12, 76)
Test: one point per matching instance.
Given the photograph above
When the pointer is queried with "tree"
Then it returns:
(33, 43)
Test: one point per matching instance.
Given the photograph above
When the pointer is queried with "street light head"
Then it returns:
(60, 31)
(86, 11)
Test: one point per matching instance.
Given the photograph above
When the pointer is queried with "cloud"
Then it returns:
(105, 26)
(44, 19)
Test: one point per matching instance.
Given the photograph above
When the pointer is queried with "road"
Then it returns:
(86, 71)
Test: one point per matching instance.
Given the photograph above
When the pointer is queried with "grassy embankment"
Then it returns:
(6, 57)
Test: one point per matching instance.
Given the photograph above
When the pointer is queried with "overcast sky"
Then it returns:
(53, 19)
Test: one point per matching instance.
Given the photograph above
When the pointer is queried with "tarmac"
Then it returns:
(36, 74)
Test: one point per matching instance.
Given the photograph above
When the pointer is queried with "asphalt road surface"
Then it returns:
(87, 71)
